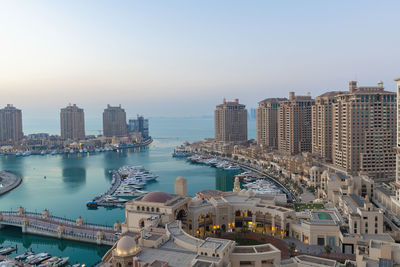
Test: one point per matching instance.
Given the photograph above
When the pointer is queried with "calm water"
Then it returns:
(72, 180)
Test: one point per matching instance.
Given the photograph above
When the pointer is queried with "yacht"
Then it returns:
(71, 151)
(24, 255)
(26, 153)
(232, 168)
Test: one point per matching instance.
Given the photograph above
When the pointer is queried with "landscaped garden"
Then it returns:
(306, 206)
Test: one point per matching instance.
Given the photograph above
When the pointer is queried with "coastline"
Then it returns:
(7, 176)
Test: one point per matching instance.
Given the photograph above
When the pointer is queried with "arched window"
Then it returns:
(158, 209)
(142, 224)
(143, 208)
(147, 209)
(138, 208)
(119, 264)
(152, 209)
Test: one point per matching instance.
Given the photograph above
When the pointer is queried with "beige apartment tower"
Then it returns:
(10, 125)
(321, 116)
(397, 148)
(294, 124)
(114, 122)
(230, 122)
(72, 119)
(364, 131)
(267, 122)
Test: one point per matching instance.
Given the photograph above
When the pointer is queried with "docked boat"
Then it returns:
(26, 153)
(24, 255)
(61, 262)
(233, 168)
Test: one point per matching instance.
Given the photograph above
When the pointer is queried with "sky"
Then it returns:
(181, 58)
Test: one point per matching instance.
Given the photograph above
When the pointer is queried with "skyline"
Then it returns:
(158, 59)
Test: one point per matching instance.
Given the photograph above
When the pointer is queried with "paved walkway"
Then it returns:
(307, 196)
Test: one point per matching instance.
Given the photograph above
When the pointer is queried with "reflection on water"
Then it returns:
(74, 176)
(224, 180)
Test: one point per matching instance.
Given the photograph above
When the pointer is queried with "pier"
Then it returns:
(99, 200)
(51, 226)
(8, 181)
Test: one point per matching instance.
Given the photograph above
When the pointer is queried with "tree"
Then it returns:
(328, 249)
(292, 247)
(244, 229)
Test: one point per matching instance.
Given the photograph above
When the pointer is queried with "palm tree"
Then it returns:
(328, 249)
(292, 247)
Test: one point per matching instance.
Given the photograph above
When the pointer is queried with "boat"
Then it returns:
(61, 262)
(54, 152)
(232, 168)
(18, 154)
(80, 150)
(71, 151)
(24, 255)
(26, 153)
(92, 204)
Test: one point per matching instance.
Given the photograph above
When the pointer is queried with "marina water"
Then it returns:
(64, 183)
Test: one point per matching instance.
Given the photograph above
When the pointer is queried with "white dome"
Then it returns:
(126, 246)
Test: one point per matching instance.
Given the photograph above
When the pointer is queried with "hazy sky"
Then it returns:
(179, 58)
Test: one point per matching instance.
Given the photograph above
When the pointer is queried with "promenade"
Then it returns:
(8, 181)
(57, 227)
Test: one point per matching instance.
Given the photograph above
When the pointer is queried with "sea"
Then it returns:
(63, 184)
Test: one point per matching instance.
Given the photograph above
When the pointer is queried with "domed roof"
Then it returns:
(157, 196)
(126, 246)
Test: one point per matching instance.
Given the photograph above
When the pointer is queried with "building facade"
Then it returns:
(364, 131)
(72, 120)
(267, 122)
(139, 125)
(10, 124)
(294, 124)
(321, 116)
(114, 122)
(230, 122)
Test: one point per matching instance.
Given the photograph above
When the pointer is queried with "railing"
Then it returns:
(56, 219)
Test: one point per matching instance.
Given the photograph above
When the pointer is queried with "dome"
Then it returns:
(157, 196)
(126, 246)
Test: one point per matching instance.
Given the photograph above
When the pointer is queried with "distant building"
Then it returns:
(294, 124)
(10, 124)
(267, 122)
(321, 115)
(38, 136)
(114, 122)
(72, 120)
(230, 122)
(252, 115)
(139, 125)
(364, 131)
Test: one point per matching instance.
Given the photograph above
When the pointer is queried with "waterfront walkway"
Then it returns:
(57, 227)
(8, 181)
